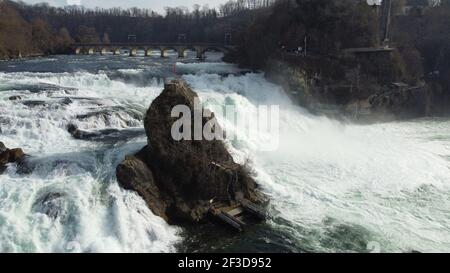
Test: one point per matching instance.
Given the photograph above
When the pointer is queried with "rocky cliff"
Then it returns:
(179, 179)
(352, 95)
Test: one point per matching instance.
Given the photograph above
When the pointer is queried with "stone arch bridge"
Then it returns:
(148, 48)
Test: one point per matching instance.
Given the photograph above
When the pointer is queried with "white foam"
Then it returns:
(202, 68)
(96, 215)
(372, 176)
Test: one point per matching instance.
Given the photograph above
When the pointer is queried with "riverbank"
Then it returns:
(23, 56)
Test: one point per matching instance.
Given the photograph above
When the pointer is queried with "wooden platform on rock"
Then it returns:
(237, 215)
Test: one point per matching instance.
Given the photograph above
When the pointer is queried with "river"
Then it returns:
(334, 186)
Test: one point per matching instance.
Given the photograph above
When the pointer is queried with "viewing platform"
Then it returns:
(237, 215)
(369, 50)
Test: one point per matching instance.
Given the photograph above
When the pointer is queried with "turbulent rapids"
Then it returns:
(334, 186)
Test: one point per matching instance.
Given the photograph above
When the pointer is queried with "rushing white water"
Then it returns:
(96, 215)
(334, 186)
(389, 180)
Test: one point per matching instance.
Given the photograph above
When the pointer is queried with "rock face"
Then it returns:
(403, 103)
(9, 156)
(134, 174)
(178, 179)
(368, 99)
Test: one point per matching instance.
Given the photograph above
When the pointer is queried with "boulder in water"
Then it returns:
(9, 156)
(104, 134)
(35, 103)
(15, 98)
(52, 204)
(4, 154)
(66, 101)
(87, 135)
(15, 155)
(179, 179)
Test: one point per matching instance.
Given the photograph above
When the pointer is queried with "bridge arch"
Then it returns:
(122, 50)
(150, 49)
(105, 50)
(115, 50)
(182, 51)
(202, 53)
(165, 49)
(137, 50)
(133, 51)
(91, 50)
(148, 52)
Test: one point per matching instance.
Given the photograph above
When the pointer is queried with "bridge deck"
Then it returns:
(188, 44)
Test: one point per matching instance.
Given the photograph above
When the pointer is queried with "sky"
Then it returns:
(157, 5)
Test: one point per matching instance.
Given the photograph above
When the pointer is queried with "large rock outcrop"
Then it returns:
(9, 156)
(178, 179)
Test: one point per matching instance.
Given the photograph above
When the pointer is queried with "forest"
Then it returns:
(22, 36)
(27, 30)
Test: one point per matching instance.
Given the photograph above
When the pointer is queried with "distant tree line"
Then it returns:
(233, 7)
(43, 29)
